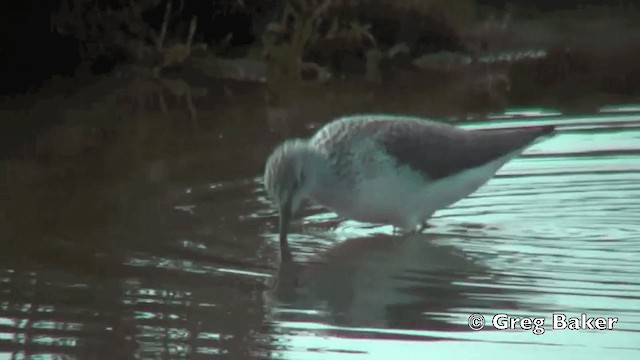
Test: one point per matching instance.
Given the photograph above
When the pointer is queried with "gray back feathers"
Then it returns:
(434, 149)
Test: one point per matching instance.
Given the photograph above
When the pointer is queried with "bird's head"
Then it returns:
(288, 180)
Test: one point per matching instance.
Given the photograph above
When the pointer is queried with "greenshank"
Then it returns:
(388, 169)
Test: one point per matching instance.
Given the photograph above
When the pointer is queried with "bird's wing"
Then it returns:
(439, 150)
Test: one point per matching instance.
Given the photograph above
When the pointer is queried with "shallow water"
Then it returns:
(190, 269)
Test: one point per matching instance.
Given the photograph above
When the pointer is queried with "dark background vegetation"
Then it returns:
(31, 52)
(256, 68)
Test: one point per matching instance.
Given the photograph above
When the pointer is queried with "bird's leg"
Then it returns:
(401, 232)
(424, 226)
(397, 231)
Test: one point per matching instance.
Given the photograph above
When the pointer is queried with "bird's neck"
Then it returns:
(323, 179)
(315, 163)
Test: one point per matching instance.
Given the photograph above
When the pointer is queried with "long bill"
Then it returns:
(285, 217)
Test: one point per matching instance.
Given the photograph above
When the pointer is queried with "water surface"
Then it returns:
(189, 267)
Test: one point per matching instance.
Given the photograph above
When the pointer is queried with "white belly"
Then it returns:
(404, 199)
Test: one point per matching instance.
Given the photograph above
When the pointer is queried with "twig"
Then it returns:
(192, 31)
(163, 29)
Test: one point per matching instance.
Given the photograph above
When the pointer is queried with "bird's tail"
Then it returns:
(543, 132)
(547, 130)
(542, 129)
(536, 132)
